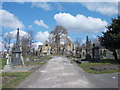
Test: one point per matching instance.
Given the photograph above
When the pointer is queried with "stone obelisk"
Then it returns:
(17, 59)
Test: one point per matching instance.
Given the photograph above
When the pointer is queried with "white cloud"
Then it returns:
(41, 23)
(106, 8)
(8, 20)
(42, 5)
(13, 34)
(42, 36)
(80, 23)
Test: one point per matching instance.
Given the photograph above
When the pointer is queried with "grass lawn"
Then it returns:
(2, 62)
(45, 57)
(85, 67)
(35, 63)
(11, 79)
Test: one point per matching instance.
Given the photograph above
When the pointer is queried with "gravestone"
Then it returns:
(78, 55)
(27, 60)
(8, 66)
(97, 56)
(88, 57)
(109, 55)
(17, 59)
(95, 52)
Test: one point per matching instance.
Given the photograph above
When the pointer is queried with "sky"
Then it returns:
(78, 18)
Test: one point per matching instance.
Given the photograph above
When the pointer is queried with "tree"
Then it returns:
(7, 41)
(56, 35)
(111, 38)
(25, 45)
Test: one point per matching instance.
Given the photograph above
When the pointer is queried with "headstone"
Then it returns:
(27, 60)
(17, 59)
(78, 53)
(97, 56)
(109, 55)
(88, 56)
(48, 53)
(95, 52)
(8, 66)
(8, 57)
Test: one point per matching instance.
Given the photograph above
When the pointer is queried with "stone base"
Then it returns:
(7, 67)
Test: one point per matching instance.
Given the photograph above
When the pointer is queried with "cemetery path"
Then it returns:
(59, 72)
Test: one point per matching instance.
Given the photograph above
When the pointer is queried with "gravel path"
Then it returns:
(59, 72)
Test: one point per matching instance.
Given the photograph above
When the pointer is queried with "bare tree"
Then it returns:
(7, 41)
(27, 41)
(25, 45)
(56, 35)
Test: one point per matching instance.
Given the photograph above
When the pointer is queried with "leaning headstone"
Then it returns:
(8, 66)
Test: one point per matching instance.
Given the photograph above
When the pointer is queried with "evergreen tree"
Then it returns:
(111, 38)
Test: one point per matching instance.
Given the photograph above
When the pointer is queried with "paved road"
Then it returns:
(59, 72)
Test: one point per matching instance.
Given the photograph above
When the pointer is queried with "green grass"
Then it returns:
(35, 63)
(85, 67)
(45, 57)
(19, 76)
(2, 63)
(32, 62)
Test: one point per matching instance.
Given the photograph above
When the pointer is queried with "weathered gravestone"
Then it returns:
(27, 59)
(78, 55)
(109, 55)
(8, 66)
(95, 52)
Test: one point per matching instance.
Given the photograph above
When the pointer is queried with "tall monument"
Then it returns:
(17, 59)
(87, 45)
(88, 48)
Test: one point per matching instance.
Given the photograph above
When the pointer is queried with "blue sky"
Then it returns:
(80, 19)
